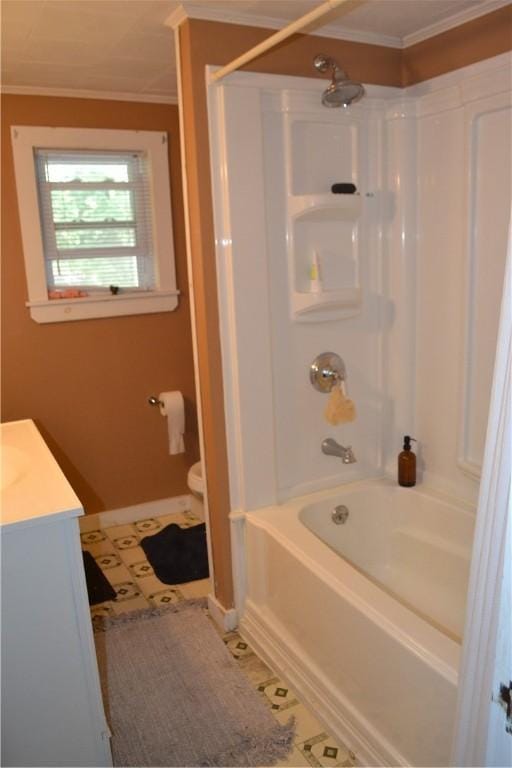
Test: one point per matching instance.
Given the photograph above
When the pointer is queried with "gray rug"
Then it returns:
(175, 697)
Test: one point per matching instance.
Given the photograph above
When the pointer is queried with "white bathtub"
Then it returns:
(365, 618)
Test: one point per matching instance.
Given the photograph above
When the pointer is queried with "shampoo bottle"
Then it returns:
(315, 280)
(407, 464)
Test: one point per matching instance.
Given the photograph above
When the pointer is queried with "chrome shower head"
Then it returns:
(341, 92)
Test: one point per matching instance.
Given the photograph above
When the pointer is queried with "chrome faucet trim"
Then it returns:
(331, 448)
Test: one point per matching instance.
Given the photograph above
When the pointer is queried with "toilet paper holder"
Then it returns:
(152, 400)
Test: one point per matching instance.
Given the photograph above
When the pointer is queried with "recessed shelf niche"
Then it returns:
(321, 154)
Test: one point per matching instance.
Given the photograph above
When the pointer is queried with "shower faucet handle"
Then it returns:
(326, 370)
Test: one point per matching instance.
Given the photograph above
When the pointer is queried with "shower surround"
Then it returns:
(412, 269)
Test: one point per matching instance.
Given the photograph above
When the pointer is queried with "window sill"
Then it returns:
(89, 307)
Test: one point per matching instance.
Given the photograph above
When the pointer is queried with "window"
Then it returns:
(96, 219)
(96, 224)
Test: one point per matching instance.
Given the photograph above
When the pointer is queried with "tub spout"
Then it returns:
(332, 448)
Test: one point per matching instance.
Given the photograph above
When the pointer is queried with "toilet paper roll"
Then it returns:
(173, 407)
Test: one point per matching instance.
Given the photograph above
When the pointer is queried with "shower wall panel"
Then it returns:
(464, 193)
(489, 126)
(398, 294)
(320, 148)
(279, 152)
(412, 273)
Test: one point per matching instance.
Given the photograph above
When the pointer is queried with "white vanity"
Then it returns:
(52, 710)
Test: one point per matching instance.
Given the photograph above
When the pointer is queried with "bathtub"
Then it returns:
(364, 618)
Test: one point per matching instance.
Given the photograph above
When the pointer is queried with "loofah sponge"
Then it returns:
(340, 408)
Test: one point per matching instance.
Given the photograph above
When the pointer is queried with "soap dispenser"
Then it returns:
(407, 464)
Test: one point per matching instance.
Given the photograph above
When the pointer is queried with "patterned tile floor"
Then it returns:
(117, 552)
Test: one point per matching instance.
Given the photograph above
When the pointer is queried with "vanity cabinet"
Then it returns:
(52, 710)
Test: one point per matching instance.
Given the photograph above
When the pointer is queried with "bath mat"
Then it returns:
(178, 554)
(98, 586)
(174, 695)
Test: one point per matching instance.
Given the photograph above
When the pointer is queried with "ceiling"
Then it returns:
(123, 46)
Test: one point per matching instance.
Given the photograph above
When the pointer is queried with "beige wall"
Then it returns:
(202, 43)
(474, 41)
(85, 383)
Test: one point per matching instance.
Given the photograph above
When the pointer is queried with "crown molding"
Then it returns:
(192, 10)
(177, 17)
(72, 93)
(453, 21)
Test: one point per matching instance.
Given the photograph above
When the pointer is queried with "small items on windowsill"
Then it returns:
(67, 293)
(114, 289)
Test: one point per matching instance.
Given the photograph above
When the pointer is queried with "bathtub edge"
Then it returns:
(333, 710)
(449, 671)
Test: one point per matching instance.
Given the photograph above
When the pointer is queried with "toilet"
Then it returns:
(196, 485)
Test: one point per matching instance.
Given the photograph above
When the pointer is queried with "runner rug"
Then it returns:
(174, 695)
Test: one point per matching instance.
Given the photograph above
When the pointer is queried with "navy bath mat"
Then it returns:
(178, 554)
(98, 586)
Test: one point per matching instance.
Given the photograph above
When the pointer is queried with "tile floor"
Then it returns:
(117, 552)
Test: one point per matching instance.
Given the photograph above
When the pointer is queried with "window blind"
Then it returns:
(96, 219)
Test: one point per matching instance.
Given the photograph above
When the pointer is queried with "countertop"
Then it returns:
(33, 489)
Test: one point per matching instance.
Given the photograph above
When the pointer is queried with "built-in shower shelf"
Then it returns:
(326, 305)
(325, 207)
(322, 229)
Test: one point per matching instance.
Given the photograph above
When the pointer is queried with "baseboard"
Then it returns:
(225, 618)
(126, 515)
(337, 714)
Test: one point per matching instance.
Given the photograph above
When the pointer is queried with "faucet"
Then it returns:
(332, 448)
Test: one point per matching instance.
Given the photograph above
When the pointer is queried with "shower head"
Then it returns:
(341, 91)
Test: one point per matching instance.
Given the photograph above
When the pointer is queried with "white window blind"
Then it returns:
(96, 219)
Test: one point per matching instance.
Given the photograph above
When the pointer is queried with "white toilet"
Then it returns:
(196, 485)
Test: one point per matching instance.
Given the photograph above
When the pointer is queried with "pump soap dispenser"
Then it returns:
(407, 464)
